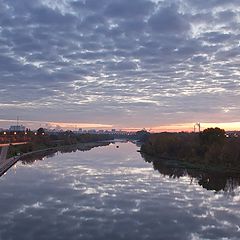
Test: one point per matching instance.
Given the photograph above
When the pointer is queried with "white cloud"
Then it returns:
(106, 59)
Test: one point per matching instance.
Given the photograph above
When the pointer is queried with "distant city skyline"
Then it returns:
(160, 65)
(189, 127)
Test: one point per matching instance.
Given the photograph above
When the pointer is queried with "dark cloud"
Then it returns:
(129, 9)
(169, 21)
(47, 16)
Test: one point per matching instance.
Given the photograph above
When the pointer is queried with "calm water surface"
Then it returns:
(112, 193)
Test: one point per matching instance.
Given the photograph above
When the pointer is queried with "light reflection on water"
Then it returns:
(111, 193)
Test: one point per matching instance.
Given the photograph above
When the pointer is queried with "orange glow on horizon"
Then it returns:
(188, 127)
(178, 127)
(79, 125)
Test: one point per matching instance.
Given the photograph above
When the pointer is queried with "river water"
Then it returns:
(113, 193)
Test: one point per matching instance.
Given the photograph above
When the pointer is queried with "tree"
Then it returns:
(40, 131)
(142, 135)
(212, 136)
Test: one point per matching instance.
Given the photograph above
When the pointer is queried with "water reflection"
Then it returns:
(110, 193)
(38, 156)
(207, 179)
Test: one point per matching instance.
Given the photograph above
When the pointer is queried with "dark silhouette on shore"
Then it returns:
(209, 180)
(210, 148)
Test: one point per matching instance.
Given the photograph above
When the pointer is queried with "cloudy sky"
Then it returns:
(120, 63)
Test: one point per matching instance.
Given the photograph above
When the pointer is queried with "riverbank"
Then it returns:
(208, 150)
(181, 164)
(9, 162)
(6, 164)
(39, 142)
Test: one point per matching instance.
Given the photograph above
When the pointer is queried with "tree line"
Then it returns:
(44, 140)
(210, 147)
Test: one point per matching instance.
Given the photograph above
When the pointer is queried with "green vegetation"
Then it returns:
(42, 140)
(210, 147)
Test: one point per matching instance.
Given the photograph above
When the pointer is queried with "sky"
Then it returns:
(125, 64)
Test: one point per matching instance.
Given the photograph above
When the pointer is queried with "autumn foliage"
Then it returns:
(208, 147)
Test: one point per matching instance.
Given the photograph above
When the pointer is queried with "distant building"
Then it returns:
(93, 131)
(17, 128)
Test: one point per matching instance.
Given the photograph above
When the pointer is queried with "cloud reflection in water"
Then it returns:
(110, 193)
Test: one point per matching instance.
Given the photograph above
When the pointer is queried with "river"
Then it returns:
(114, 193)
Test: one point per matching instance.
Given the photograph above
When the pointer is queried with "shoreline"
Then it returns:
(8, 163)
(182, 164)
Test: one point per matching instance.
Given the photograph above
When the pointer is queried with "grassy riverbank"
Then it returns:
(210, 149)
(41, 142)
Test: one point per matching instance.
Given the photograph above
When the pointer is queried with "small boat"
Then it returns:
(117, 146)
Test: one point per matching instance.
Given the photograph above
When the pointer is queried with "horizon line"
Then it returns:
(178, 127)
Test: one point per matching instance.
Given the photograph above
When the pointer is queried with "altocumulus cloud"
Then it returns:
(127, 63)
